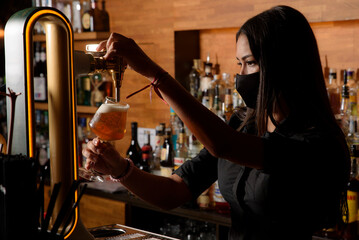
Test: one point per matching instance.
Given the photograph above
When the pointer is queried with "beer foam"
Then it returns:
(113, 107)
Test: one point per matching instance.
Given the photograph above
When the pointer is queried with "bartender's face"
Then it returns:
(246, 61)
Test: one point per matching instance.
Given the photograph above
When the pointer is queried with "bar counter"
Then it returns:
(222, 222)
(195, 214)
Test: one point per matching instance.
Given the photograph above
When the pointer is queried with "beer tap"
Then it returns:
(114, 66)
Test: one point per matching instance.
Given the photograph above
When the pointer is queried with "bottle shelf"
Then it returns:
(80, 108)
(84, 36)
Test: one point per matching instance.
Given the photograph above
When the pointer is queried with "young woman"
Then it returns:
(282, 165)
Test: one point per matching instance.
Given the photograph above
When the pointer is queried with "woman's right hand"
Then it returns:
(118, 45)
(103, 158)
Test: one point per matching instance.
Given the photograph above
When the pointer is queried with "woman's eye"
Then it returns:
(239, 64)
(251, 63)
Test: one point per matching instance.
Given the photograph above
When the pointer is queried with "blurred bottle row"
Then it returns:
(85, 16)
(343, 97)
(214, 90)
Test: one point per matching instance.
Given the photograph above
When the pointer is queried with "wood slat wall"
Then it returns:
(338, 45)
(154, 22)
(209, 14)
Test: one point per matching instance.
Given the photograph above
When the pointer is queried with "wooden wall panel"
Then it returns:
(220, 42)
(210, 14)
(338, 44)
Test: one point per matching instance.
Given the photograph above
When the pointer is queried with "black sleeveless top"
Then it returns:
(296, 193)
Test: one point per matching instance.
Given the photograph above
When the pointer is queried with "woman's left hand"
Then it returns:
(103, 158)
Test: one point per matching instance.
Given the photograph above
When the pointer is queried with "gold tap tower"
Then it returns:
(61, 98)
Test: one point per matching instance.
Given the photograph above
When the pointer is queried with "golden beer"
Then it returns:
(109, 122)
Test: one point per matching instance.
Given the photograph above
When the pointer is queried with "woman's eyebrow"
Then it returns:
(244, 57)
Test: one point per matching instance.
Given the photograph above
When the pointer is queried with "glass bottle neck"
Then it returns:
(134, 136)
(93, 4)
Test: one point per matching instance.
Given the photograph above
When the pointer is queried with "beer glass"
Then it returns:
(109, 124)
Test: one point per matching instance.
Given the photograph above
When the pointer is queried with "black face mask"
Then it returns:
(248, 86)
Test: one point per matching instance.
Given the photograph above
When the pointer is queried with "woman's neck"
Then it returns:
(270, 125)
(279, 114)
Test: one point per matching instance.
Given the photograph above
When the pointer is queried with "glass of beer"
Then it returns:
(109, 124)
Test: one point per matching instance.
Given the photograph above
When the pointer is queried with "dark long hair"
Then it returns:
(284, 45)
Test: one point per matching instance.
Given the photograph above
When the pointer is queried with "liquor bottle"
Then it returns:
(228, 104)
(205, 98)
(86, 85)
(105, 17)
(217, 80)
(206, 79)
(155, 165)
(216, 109)
(167, 154)
(65, 6)
(91, 19)
(76, 16)
(182, 151)
(134, 151)
(352, 136)
(175, 125)
(344, 105)
(333, 92)
(195, 79)
(353, 91)
(226, 80)
(147, 153)
(351, 230)
(221, 205)
(40, 82)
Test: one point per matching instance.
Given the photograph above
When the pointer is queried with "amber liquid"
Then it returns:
(109, 126)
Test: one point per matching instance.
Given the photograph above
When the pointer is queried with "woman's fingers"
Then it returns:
(91, 157)
(101, 46)
(97, 146)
